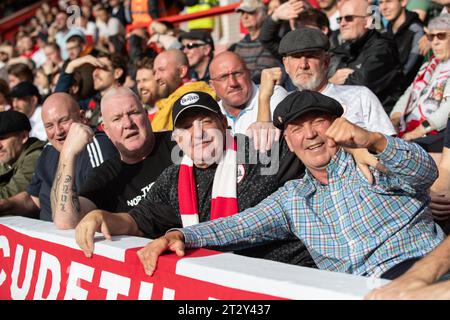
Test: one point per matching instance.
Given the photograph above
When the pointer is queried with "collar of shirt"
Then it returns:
(335, 170)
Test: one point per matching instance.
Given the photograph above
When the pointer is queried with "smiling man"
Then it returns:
(215, 178)
(59, 113)
(347, 224)
(119, 183)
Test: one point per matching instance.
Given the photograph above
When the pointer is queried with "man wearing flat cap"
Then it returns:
(347, 224)
(306, 60)
(217, 176)
(26, 99)
(18, 153)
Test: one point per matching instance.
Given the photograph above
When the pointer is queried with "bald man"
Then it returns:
(59, 113)
(238, 94)
(366, 57)
(171, 69)
(118, 184)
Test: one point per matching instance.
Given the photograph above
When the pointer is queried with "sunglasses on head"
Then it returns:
(439, 35)
(348, 18)
(192, 45)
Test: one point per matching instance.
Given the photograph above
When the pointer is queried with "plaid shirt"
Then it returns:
(348, 225)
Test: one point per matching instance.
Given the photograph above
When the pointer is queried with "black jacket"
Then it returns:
(406, 39)
(375, 60)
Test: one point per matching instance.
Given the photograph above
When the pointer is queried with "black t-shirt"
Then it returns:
(40, 186)
(159, 211)
(447, 135)
(117, 186)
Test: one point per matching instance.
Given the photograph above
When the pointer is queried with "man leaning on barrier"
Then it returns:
(218, 176)
(347, 224)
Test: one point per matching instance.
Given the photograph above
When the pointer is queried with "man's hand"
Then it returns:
(172, 241)
(402, 288)
(264, 135)
(82, 60)
(348, 135)
(395, 119)
(269, 78)
(288, 10)
(418, 132)
(341, 76)
(440, 204)
(93, 222)
(78, 137)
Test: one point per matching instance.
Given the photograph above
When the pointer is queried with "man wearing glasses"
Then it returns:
(366, 58)
(198, 46)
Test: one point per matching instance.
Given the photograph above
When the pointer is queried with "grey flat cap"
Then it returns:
(303, 40)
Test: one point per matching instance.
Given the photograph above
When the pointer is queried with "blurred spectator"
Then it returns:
(423, 109)
(420, 7)
(171, 69)
(5, 103)
(58, 31)
(144, 11)
(6, 53)
(110, 70)
(250, 49)
(18, 153)
(366, 58)
(107, 26)
(19, 72)
(238, 95)
(330, 8)
(147, 86)
(198, 46)
(26, 99)
(406, 29)
(89, 29)
(117, 10)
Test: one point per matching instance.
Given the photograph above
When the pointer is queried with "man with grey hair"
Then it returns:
(121, 182)
(250, 49)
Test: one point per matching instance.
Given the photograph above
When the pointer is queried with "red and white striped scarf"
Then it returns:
(224, 194)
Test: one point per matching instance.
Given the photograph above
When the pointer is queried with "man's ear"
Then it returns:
(118, 72)
(24, 136)
(183, 71)
(288, 141)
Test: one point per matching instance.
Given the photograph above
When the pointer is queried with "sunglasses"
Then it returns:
(192, 46)
(348, 18)
(439, 35)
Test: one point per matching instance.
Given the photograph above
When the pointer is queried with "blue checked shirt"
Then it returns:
(348, 225)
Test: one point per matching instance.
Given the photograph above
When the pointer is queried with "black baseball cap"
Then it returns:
(195, 99)
(13, 121)
(300, 102)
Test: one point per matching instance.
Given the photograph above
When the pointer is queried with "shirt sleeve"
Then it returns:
(265, 222)
(374, 114)
(409, 165)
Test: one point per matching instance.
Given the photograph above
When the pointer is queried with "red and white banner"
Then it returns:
(37, 261)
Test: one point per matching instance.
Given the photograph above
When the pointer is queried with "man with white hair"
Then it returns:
(121, 182)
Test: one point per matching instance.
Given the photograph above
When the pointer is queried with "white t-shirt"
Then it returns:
(334, 25)
(249, 115)
(361, 107)
(37, 126)
(112, 28)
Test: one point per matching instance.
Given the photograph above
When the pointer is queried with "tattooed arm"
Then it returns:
(67, 207)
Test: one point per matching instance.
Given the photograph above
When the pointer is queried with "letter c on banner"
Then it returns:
(4, 245)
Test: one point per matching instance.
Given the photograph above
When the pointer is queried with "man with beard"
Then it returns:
(110, 70)
(59, 112)
(147, 86)
(306, 61)
(171, 70)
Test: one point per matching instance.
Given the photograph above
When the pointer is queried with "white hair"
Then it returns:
(441, 22)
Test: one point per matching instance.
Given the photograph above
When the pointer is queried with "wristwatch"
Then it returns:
(427, 126)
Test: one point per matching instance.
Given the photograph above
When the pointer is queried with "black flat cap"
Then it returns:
(24, 89)
(300, 102)
(201, 35)
(13, 121)
(195, 99)
(303, 40)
